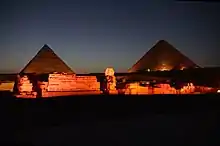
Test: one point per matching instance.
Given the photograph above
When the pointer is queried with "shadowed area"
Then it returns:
(111, 120)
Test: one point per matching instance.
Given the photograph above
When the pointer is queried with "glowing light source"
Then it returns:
(163, 67)
(182, 68)
(218, 91)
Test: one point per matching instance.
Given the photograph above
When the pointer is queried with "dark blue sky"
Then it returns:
(91, 35)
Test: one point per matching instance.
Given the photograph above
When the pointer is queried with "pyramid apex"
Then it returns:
(162, 41)
(46, 47)
(163, 44)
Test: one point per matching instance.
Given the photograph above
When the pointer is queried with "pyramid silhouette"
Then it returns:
(46, 61)
(162, 56)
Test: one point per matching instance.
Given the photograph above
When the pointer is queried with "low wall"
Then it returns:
(7, 86)
(87, 83)
(59, 82)
(135, 88)
(56, 94)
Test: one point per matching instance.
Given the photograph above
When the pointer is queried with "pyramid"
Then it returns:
(162, 56)
(46, 61)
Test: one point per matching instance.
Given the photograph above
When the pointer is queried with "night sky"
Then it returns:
(90, 35)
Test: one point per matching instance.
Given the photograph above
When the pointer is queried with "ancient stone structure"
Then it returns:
(46, 61)
(60, 77)
(136, 89)
(25, 85)
(7, 86)
(111, 81)
(88, 83)
(25, 88)
(61, 82)
(162, 56)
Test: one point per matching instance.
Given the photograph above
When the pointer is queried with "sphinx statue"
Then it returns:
(111, 80)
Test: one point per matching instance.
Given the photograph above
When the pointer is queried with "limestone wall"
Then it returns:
(87, 83)
(60, 85)
(24, 85)
(59, 82)
(204, 89)
(136, 89)
(8, 86)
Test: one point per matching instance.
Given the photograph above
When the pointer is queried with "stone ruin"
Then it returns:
(58, 84)
(111, 81)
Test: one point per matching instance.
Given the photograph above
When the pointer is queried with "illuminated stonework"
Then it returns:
(109, 72)
(111, 80)
(135, 88)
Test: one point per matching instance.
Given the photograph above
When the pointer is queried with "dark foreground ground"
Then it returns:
(111, 120)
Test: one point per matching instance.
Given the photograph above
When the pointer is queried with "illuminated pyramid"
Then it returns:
(162, 56)
(46, 61)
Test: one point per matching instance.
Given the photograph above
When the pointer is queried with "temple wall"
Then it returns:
(60, 85)
(203, 89)
(136, 89)
(87, 83)
(59, 82)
